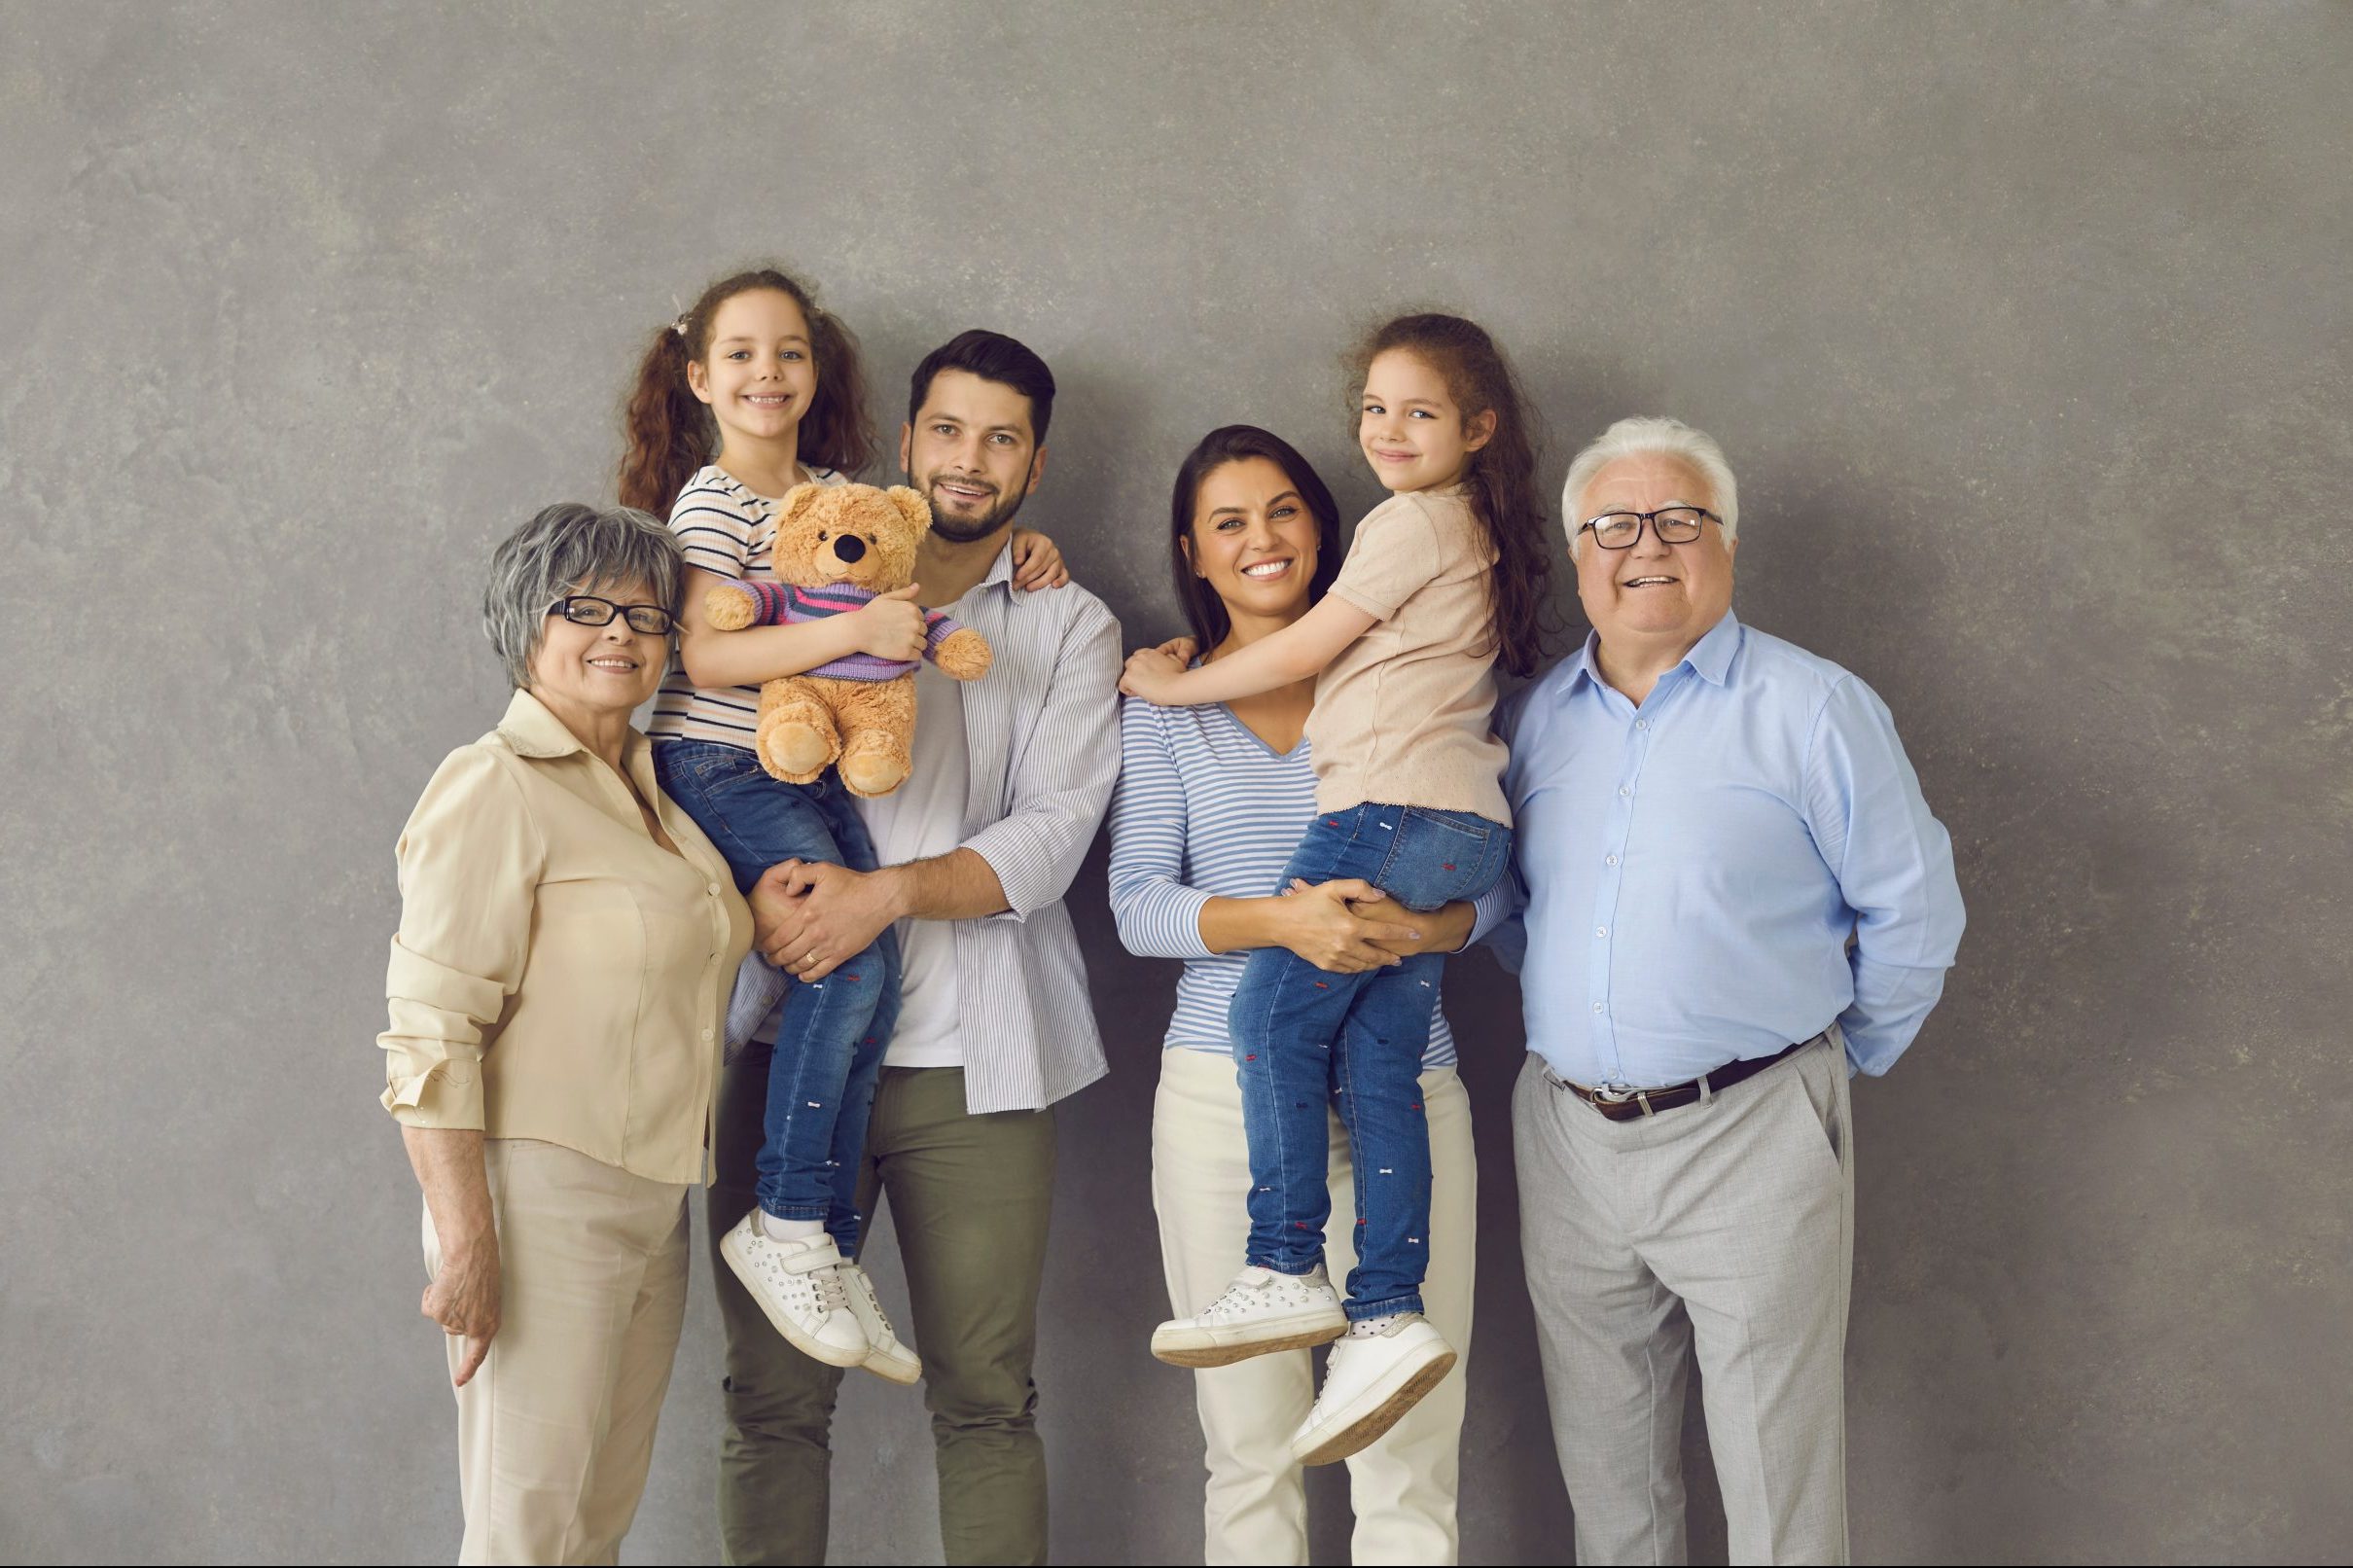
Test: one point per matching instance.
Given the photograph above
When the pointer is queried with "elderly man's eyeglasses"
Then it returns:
(587, 610)
(1673, 525)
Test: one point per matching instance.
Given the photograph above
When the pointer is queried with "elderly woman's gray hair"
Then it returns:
(573, 548)
(1650, 435)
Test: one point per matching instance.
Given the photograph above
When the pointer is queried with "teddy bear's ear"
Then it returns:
(798, 500)
(911, 506)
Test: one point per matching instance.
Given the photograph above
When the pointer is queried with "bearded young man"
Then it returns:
(976, 849)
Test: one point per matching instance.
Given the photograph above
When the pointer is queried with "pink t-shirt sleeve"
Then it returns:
(1397, 551)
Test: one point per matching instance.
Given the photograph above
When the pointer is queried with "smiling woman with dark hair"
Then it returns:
(568, 941)
(1210, 804)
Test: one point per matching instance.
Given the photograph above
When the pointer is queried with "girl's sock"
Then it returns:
(778, 1229)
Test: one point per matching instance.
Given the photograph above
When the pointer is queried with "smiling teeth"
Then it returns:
(1637, 582)
(1266, 568)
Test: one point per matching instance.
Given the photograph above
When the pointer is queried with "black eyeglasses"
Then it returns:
(587, 610)
(1674, 525)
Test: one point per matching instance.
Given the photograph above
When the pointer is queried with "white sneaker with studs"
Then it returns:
(886, 1357)
(1377, 1370)
(1261, 1311)
(799, 1285)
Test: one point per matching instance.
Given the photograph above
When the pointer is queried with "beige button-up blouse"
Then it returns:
(559, 975)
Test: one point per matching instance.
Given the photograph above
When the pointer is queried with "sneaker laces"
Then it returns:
(831, 1294)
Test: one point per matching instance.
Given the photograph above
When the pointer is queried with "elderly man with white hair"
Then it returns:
(1729, 896)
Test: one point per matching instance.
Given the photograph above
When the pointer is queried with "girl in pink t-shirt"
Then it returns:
(1444, 580)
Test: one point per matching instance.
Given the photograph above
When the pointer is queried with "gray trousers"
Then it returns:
(1728, 1227)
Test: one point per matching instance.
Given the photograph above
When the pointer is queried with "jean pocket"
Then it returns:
(1438, 857)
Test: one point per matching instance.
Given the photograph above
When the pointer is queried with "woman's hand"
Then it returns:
(1037, 562)
(464, 1299)
(1318, 921)
(891, 625)
(1443, 931)
(1151, 674)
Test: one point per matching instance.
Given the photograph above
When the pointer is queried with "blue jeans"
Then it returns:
(1304, 1038)
(831, 1035)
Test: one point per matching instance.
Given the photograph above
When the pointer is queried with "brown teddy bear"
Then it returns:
(838, 546)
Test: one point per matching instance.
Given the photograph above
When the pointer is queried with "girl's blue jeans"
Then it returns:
(831, 1035)
(1304, 1036)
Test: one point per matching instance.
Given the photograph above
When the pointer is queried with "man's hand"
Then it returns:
(808, 918)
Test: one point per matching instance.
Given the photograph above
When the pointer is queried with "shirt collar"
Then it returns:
(531, 731)
(1710, 658)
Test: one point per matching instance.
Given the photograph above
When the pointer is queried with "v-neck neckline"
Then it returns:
(1263, 743)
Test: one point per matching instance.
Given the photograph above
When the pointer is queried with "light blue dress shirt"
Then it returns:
(1689, 872)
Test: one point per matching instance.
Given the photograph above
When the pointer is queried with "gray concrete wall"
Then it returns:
(2026, 327)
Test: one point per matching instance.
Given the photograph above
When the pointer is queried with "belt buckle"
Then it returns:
(1621, 1096)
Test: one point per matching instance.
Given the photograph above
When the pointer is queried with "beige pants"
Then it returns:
(555, 1430)
(1402, 1487)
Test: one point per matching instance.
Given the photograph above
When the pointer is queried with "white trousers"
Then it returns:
(555, 1430)
(1402, 1487)
(1726, 1226)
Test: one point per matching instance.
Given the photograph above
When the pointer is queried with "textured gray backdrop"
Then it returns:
(2026, 329)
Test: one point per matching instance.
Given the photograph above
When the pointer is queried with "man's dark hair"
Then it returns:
(993, 357)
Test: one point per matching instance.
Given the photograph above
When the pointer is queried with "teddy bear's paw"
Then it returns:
(728, 608)
(874, 765)
(964, 654)
(796, 753)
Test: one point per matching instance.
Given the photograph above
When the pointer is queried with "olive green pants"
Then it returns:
(969, 1200)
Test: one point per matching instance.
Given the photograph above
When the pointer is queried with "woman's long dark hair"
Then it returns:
(1205, 610)
(1501, 475)
(669, 434)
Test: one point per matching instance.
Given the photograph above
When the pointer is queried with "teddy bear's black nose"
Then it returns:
(850, 548)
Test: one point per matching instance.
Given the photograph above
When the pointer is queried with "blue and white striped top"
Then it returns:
(1206, 810)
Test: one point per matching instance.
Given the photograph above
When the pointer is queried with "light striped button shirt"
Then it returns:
(1206, 810)
(1036, 728)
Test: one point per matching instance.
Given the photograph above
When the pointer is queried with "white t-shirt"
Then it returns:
(922, 818)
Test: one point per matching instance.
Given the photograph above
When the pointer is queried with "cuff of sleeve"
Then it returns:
(1024, 871)
(447, 1095)
(1377, 611)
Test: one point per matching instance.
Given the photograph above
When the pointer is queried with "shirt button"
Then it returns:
(706, 1034)
(1601, 930)
(1625, 788)
(1596, 1008)
(1642, 724)
(1609, 860)
(713, 890)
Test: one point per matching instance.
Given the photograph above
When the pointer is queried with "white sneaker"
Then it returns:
(885, 1355)
(1369, 1382)
(799, 1285)
(1261, 1311)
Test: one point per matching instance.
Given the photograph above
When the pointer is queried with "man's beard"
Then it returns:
(962, 531)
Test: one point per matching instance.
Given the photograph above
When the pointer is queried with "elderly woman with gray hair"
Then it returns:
(568, 941)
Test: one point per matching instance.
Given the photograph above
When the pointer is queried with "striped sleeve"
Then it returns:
(714, 526)
(1158, 915)
(1062, 775)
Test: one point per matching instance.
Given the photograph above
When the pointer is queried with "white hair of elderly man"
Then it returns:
(1650, 435)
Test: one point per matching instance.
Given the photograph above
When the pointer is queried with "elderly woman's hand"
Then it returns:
(464, 1299)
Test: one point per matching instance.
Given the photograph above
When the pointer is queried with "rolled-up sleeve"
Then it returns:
(1893, 861)
(1158, 915)
(1062, 781)
(469, 862)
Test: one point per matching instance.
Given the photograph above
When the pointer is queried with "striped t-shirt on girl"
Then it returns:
(1206, 810)
(727, 530)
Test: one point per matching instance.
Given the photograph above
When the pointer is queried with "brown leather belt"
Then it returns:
(1625, 1104)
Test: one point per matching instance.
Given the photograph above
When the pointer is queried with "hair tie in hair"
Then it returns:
(679, 326)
